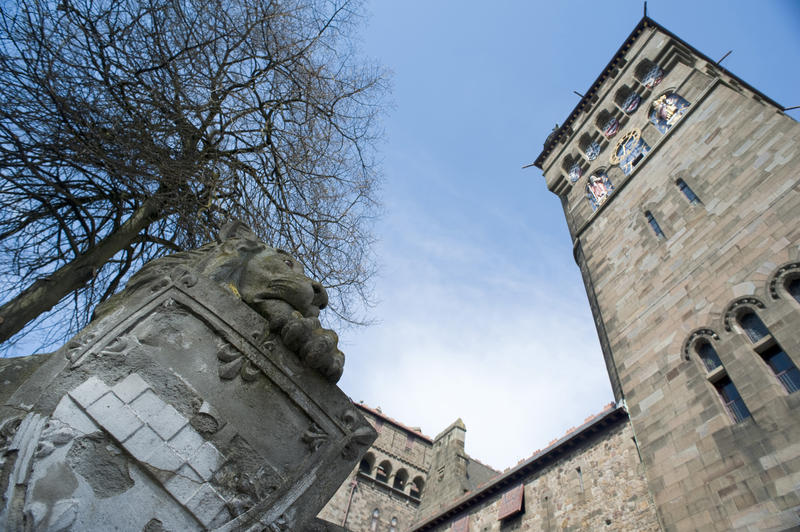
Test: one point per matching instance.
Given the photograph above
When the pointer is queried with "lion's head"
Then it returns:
(269, 281)
(259, 274)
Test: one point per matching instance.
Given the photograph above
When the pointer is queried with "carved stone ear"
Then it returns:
(236, 229)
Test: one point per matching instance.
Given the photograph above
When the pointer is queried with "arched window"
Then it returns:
(610, 127)
(771, 352)
(416, 487)
(783, 368)
(393, 525)
(630, 150)
(592, 150)
(590, 147)
(654, 224)
(716, 374)
(708, 355)
(653, 77)
(400, 479)
(688, 192)
(793, 287)
(598, 188)
(366, 463)
(575, 172)
(666, 110)
(627, 99)
(572, 166)
(752, 326)
(648, 73)
(373, 525)
(384, 470)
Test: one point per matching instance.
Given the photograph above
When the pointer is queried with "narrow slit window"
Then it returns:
(654, 224)
(732, 400)
(783, 367)
(687, 191)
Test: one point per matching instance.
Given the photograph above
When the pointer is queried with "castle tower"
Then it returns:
(680, 184)
(452, 471)
(448, 473)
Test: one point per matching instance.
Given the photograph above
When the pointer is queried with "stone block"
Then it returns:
(89, 391)
(147, 405)
(164, 458)
(206, 460)
(130, 388)
(184, 484)
(114, 416)
(186, 442)
(167, 422)
(70, 413)
(205, 504)
(142, 443)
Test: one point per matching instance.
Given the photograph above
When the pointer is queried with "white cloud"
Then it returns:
(517, 364)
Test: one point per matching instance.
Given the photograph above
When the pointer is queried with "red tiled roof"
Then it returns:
(377, 413)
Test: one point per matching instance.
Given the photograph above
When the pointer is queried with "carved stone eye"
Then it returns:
(289, 263)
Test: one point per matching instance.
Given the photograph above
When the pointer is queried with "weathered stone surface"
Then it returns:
(139, 423)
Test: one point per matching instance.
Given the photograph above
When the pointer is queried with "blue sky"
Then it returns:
(482, 314)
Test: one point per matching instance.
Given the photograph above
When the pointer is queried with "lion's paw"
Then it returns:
(316, 347)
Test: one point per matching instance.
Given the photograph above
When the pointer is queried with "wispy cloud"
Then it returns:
(465, 333)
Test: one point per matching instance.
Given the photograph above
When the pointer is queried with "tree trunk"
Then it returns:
(44, 293)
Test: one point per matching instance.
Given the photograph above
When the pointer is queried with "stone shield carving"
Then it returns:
(203, 396)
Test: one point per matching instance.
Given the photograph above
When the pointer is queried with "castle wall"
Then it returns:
(408, 454)
(368, 496)
(597, 485)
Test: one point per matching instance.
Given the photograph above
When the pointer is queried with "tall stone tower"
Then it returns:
(680, 184)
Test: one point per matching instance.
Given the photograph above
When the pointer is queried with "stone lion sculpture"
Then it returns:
(269, 281)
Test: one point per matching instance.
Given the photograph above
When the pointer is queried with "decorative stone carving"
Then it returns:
(55, 434)
(732, 309)
(361, 435)
(779, 275)
(268, 280)
(687, 345)
(233, 363)
(315, 437)
(191, 401)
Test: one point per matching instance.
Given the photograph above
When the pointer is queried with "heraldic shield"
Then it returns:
(180, 407)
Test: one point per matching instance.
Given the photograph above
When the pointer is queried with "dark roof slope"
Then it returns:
(479, 473)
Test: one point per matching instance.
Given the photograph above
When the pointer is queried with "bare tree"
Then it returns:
(133, 127)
